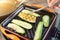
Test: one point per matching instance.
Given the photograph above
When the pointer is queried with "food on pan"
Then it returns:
(22, 24)
(38, 32)
(28, 16)
(46, 19)
(29, 12)
(16, 28)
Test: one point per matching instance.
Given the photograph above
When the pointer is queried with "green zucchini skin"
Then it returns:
(22, 24)
(16, 28)
(46, 20)
(38, 32)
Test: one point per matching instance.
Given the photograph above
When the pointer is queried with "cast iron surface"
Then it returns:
(30, 33)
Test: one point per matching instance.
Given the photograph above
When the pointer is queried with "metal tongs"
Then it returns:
(33, 10)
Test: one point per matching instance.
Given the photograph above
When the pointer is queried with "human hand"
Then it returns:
(51, 3)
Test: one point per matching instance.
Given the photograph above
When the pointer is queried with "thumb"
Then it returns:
(52, 3)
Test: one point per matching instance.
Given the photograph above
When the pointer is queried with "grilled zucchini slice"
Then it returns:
(16, 28)
(22, 24)
(38, 32)
(28, 16)
(46, 20)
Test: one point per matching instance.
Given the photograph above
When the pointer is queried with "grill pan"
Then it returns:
(30, 33)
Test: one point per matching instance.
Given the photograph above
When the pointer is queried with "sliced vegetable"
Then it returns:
(46, 19)
(22, 24)
(30, 12)
(16, 28)
(38, 32)
(28, 16)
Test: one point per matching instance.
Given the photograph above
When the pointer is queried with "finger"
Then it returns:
(48, 1)
(52, 3)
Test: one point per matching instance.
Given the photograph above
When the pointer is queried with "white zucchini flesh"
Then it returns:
(16, 28)
(22, 24)
(30, 12)
(46, 19)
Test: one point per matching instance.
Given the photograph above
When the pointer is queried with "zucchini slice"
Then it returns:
(38, 32)
(22, 24)
(16, 28)
(28, 16)
(46, 20)
(30, 12)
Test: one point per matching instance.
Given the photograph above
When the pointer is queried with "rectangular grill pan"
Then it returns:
(30, 33)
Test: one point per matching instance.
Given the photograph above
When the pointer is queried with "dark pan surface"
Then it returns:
(30, 33)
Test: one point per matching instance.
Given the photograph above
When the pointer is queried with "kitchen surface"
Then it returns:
(28, 20)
